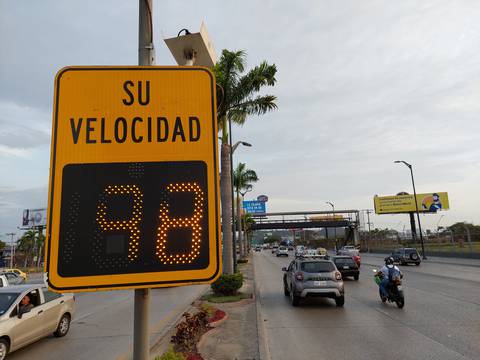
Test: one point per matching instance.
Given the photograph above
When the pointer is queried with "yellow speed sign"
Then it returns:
(133, 195)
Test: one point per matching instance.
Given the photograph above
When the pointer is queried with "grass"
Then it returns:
(225, 299)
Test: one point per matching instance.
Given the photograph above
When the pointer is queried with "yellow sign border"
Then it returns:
(119, 285)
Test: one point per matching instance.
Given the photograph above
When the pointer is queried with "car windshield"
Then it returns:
(344, 261)
(282, 248)
(410, 251)
(317, 267)
(6, 300)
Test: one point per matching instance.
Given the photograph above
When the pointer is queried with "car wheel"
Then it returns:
(340, 301)
(285, 289)
(402, 262)
(4, 347)
(356, 277)
(63, 326)
(294, 298)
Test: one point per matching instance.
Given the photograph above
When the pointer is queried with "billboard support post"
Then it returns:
(413, 227)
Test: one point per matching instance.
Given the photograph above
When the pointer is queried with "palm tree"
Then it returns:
(243, 179)
(237, 94)
(249, 222)
(26, 244)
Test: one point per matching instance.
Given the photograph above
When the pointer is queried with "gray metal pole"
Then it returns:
(234, 235)
(418, 214)
(146, 56)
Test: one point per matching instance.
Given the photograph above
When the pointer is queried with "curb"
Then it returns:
(218, 322)
(263, 349)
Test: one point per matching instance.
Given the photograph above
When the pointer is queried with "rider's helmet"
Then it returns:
(389, 261)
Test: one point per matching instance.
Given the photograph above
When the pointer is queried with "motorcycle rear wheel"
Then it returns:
(400, 301)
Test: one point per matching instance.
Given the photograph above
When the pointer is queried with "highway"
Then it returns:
(103, 325)
(441, 318)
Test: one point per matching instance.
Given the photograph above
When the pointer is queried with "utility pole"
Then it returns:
(12, 248)
(146, 57)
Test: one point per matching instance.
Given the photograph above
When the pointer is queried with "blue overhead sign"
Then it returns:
(254, 207)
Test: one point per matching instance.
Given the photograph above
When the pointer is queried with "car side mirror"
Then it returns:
(284, 269)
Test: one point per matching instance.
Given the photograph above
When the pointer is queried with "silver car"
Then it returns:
(312, 277)
(20, 326)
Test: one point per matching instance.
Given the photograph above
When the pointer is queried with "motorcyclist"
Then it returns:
(387, 273)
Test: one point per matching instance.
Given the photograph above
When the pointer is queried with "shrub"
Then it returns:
(228, 284)
(189, 330)
(171, 355)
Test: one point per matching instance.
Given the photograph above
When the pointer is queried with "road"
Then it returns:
(103, 325)
(441, 318)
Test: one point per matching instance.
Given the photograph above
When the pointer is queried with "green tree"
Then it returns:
(248, 222)
(237, 95)
(243, 180)
(31, 245)
(26, 244)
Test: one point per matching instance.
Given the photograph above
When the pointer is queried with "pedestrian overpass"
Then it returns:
(347, 219)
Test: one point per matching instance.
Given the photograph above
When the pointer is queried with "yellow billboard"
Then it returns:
(396, 204)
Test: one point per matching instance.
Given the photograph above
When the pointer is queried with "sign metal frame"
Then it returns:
(124, 281)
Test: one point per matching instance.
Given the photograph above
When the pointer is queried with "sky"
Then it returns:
(359, 85)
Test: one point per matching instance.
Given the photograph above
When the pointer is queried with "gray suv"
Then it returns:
(306, 277)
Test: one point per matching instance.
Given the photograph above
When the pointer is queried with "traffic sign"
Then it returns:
(134, 193)
(254, 207)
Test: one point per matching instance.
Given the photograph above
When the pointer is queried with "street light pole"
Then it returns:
(335, 228)
(416, 205)
(232, 149)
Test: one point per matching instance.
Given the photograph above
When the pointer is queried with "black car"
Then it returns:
(405, 256)
(347, 266)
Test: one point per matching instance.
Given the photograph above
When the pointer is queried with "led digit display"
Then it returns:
(120, 218)
(168, 223)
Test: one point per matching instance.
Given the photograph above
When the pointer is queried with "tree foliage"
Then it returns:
(237, 93)
(243, 178)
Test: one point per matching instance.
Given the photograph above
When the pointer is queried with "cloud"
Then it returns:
(12, 203)
(22, 129)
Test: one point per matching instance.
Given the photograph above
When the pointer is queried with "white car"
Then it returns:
(51, 314)
(4, 281)
(282, 251)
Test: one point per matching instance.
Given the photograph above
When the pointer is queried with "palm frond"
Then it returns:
(253, 81)
(252, 106)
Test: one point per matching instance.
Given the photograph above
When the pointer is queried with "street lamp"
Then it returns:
(335, 228)
(416, 205)
(232, 149)
(244, 143)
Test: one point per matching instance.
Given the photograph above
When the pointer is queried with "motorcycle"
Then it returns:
(394, 288)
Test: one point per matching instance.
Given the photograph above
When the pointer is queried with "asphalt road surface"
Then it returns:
(103, 325)
(441, 318)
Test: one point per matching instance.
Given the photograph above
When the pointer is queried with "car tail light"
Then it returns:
(299, 276)
(338, 276)
(356, 258)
